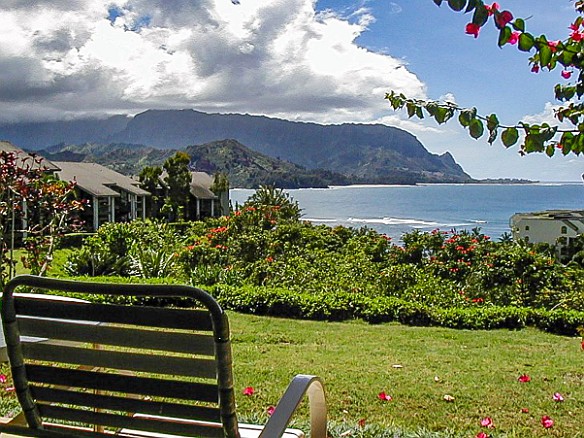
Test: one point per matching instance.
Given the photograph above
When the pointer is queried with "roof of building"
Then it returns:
(201, 183)
(27, 159)
(97, 180)
(200, 186)
(552, 215)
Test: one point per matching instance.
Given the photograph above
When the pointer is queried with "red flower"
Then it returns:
(3, 378)
(514, 37)
(9, 389)
(504, 18)
(557, 397)
(524, 378)
(577, 36)
(473, 29)
(361, 422)
(385, 397)
(482, 435)
(491, 9)
(524, 410)
(582, 344)
(547, 422)
(487, 422)
(553, 45)
(248, 390)
(566, 74)
(270, 410)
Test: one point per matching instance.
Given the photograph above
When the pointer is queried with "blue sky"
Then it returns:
(323, 61)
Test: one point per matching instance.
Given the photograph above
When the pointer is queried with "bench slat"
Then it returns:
(122, 383)
(149, 363)
(179, 342)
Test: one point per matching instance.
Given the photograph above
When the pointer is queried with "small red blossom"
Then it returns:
(269, 259)
(514, 38)
(481, 435)
(524, 410)
(582, 344)
(557, 397)
(577, 36)
(270, 410)
(492, 8)
(361, 423)
(9, 389)
(384, 397)
(547, 422)
(504, 18)
(524, 378)
(248, 390)
(553, 45)
(473, 29)
(487, 422)
(566, 74)
(3, 378)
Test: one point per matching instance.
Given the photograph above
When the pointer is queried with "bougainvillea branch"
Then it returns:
(545, 54)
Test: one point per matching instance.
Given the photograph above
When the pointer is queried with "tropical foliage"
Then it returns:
(545, 54)
(264, 259)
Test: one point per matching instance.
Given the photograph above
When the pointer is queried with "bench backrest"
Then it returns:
(97, 364)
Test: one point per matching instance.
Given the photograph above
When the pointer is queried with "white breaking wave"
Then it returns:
(414, 223)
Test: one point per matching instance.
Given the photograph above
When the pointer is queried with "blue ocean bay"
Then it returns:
(394, 210)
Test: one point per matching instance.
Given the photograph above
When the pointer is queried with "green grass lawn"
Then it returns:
(417, 367)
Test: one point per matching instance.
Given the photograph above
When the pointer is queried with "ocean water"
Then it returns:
(395, 210)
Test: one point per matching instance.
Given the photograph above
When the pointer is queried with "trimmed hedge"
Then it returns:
(344, 306)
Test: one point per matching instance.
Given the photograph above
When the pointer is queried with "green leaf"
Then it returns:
(457, 5)
(476, 128)
(472, 4)
(526, 42)
(492, 122)
(550, 150)
(519, 25)
(533, 143)
(411, 107)
(545, 55)
(480, 15)
(509, 136)
(504, 36)
(466, 116)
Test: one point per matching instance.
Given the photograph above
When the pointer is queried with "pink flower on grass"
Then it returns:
(361, 423)
(487, 422)
(524, 410)
(384, 397)
(547, 422)
(524, 378)
(270, 410)
(473, 29)
(557, 397)
(248, 390)
(3, 378)
(482, 435)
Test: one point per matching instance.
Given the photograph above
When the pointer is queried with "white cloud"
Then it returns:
(279, 58)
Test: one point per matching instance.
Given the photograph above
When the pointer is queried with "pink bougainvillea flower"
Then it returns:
(9, 389)
(504, 18)
(547, 422)
(487, 422)
(2, 378)
(270, 410)
(553, 45)
(577, 36)
(557, 397)
(385, 397)
(491, 9)
(482, 435)
(514, 37)
(524, 378)
(566, 74)
(248, 390)
(473, 29)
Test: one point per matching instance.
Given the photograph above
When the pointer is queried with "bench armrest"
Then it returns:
(299, 386)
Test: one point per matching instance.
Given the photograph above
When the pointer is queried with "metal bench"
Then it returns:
(132, 370)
